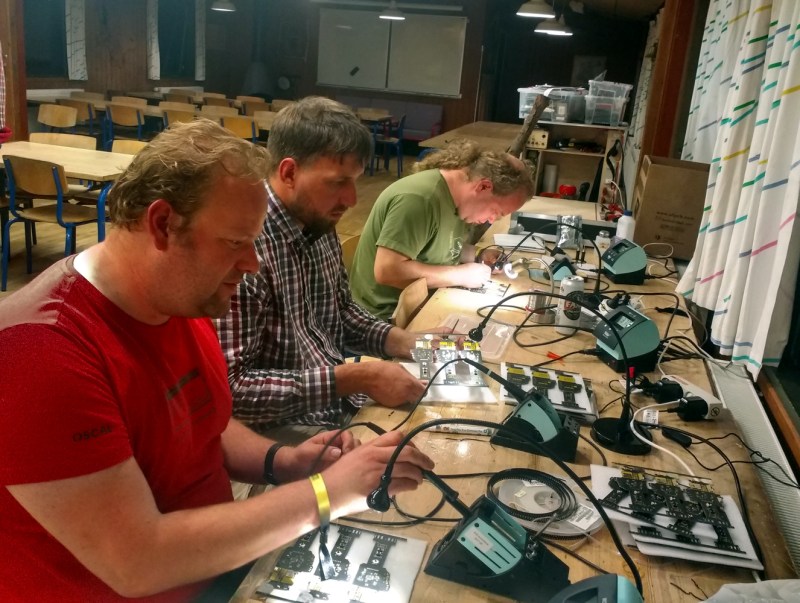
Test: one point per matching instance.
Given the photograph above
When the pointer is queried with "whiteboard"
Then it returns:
(427, 54)
(421, 55)
(353, 49)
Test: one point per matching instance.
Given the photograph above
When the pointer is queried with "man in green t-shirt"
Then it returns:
(420, 225)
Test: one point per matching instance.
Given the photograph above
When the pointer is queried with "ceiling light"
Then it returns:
(553, 28)
(536, 8)
(224, 6)
(392, 13)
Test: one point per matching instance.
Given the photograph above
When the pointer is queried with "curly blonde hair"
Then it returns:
(507, 174)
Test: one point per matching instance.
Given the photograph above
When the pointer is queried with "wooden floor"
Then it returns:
(50, 246)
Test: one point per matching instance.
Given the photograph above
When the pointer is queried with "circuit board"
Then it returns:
(675, 515)
(369, 567)
(568, 392)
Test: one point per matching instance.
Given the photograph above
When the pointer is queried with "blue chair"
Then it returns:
(122, 119)
(387, 142)
(32, 180)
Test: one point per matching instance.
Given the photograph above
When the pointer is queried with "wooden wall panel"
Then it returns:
(14, 63)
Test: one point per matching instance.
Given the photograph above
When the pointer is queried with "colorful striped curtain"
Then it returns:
(746, 111)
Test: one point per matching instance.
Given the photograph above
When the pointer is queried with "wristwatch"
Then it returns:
(269, 464)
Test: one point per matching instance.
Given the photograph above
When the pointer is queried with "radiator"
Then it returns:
(734, 387)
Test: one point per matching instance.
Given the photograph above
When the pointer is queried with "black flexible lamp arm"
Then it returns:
(476, 334)
(504, 257)
(386, 478)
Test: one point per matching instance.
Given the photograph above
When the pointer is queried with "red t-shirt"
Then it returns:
(84, 386)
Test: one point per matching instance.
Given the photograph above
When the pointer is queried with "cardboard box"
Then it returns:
(668, 204)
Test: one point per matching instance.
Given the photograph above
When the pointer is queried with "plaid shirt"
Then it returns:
(289, 325)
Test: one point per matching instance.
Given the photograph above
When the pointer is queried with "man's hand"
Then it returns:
(301, 461)
(388, 383)
(392, 385)
(474, 275)
(489, 256)
(357, 474)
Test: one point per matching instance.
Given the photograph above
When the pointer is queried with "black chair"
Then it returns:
(388, 141)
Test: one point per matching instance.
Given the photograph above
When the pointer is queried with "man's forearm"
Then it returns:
(400, 342)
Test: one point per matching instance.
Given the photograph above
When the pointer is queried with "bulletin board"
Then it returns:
(421, 55)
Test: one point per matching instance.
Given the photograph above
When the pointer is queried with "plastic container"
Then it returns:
(606, 110)
(527, 96)
(603, 241)
(609, 89)
(625, 226)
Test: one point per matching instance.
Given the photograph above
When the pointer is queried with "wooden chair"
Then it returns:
(211, 95)
(215, 112)
(33, 180)
(217, 102)
(173, 106)
(128, 147)
(87, 95)
(57, 117)
(179, 97)
(129, 100)
(388, 143)
(280, 103)
(248, 99)
(241, 126)
(76, 141)
(174, 117)
(250, 107)
(86, 114)
(122, 119)
(410, 301)
(264, 119)
(349, 245)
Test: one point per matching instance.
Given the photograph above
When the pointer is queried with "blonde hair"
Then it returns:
(180, 165)
(506, 173)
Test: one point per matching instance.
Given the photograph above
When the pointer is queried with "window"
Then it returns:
(176, 38)
(45, 38)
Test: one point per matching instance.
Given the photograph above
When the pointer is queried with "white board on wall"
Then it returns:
(427, 54)
(353, 49)
(421, 55)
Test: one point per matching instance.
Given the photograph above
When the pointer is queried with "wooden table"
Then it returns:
(84, 164)
(491, 135)
(664, 579)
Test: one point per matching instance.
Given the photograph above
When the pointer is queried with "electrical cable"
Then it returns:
(567, 506)
(570, 552)
(387, 476)
(660, 406)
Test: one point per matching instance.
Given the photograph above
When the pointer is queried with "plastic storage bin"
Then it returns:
(605, 110)
(610, 89)
(527, 96)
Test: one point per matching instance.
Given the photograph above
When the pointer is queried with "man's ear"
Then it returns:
(484, 184)
(161, 222)
(287, 171)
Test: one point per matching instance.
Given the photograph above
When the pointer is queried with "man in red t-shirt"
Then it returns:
(115, 413)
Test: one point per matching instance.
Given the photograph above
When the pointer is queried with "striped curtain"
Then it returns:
(746, 111)
(153, 49)
(75, 13)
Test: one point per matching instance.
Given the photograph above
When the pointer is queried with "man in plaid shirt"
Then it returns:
(291, 323)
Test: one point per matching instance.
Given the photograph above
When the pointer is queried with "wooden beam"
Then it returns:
(677, 23)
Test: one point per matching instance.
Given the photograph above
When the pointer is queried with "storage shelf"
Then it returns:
(567, 152)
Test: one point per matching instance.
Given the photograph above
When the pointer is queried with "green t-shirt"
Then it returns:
(415, 216)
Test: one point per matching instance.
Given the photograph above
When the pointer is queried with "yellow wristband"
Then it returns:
(323, 502)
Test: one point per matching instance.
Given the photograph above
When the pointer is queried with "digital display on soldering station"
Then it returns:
(623, 322)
